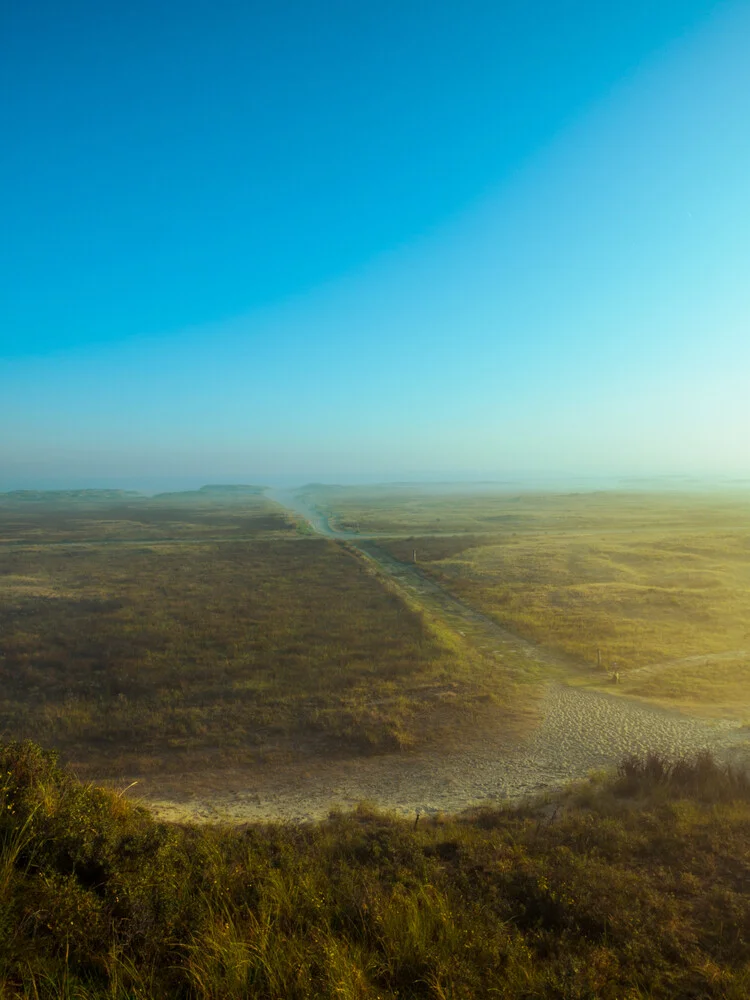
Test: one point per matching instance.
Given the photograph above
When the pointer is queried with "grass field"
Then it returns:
(118, 516)
(202, 630)
(636, 578)
(720, 688)
(634, 887)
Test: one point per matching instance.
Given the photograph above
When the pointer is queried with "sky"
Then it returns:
(260, 242)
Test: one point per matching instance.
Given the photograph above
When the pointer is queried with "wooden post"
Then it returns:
(414, 555)
(598, 657)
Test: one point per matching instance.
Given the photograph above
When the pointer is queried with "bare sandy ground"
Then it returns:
(579, 732)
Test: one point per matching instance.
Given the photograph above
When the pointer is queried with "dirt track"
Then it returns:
(579, 731)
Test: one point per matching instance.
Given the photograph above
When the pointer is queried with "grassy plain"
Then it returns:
(633, 888)
(85, 516)
(199, 630)
(645, 579)
(712, 688)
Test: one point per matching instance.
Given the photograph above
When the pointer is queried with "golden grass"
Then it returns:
(439, 510)
(641, 578)
(708, 688)
(110, 516)
(638, 601)
(154, 656)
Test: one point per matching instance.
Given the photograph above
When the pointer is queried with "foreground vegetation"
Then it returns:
(639, 579)
(632, 887)
(222, 636)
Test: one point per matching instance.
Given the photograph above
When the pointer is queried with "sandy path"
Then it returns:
(485, 633)
(578, 731)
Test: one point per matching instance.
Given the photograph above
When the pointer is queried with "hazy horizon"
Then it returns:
(445, 480)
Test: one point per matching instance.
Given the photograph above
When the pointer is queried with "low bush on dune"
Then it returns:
(630, 887)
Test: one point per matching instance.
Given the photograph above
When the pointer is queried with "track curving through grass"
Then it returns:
(577, 731)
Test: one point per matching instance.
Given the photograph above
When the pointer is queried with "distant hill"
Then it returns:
(319, 487)
(233, 489)
(214, 492)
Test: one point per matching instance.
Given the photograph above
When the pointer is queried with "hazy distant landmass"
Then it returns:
(445, 483)
(88, 494)
(214, 491)
(550, 483)
(209, 492)
(231, 488)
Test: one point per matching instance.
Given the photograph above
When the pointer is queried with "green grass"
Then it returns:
(166, 656)
(631, 887)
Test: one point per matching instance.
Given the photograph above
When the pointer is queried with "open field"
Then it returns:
(437, 509)
(490, 509)
(160, 636)
(718, 686)
(630, 887)
(119, 516)
(640, 579)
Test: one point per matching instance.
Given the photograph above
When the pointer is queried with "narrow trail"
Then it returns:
(482, 631)
(479, 628)
(578, 731)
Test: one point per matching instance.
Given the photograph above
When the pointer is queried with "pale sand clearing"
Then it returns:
(580, 731)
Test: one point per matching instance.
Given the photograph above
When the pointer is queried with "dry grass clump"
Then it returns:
(635, 887)
(699, 777)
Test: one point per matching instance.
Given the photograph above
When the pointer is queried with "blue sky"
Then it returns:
(260, 241)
